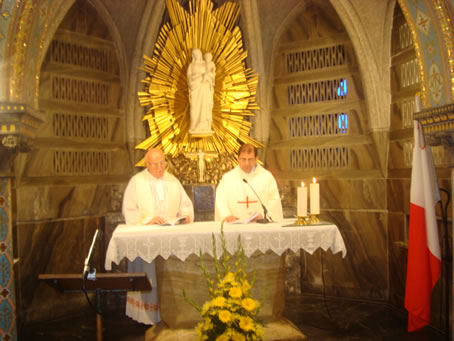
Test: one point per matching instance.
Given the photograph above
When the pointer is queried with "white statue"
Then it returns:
(201, 75)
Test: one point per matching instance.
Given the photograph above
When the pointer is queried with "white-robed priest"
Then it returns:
(153, 196)
(240, 191)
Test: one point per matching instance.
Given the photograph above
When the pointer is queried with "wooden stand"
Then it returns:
(103, 282)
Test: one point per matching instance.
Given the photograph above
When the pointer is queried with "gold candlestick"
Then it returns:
(313, 219)
(300, 221)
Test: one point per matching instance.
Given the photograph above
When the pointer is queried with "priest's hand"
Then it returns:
(157, 221)
(186, 220)
(230, 218)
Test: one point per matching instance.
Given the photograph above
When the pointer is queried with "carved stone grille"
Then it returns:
(440, 155)
(320, 91)
(405, 39)
(318, 125)
(319, 158)
(409, 73)
(63, 52)
(407, 108)
(308, 60)
(78, 90)
(80, 126)
(81, 162)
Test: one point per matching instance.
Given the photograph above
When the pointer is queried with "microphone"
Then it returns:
(90, 252)
(265, 219)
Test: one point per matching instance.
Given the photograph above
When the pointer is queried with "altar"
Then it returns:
(176, 249)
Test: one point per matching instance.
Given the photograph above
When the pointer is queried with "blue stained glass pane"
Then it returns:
(342, 122)
(342, 88)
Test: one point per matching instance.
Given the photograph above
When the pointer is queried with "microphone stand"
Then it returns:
(266, 218)
(88, 259)
(91, 275)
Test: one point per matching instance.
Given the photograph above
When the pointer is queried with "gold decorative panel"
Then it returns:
(319, 158)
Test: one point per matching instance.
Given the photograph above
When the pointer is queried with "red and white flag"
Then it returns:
(424, 256)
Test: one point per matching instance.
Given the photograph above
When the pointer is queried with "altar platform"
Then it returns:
(321, 318)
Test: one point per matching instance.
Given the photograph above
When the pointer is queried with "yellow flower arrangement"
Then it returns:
(231, 314)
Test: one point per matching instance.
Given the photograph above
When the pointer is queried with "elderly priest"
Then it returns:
(152, 196)
(244, 193)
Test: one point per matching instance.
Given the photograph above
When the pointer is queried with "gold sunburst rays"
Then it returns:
(165, 94)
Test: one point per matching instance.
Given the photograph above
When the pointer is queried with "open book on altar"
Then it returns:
(175, 221)
(246, 221)
(172, 222)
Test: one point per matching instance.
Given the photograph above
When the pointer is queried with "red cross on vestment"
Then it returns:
(247, 202)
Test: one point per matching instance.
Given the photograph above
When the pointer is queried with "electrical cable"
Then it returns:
(90, 303)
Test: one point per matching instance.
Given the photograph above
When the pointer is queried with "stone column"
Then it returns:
(18, 124)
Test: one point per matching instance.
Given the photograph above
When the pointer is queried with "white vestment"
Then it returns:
(146, 197)
(235, 197)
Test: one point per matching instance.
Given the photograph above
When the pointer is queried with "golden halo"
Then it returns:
(166, 91)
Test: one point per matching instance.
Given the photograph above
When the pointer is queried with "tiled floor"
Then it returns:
(318, 319)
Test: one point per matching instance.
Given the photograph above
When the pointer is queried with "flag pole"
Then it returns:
(447, 261)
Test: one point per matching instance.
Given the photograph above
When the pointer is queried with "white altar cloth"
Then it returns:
(148, 242)
(139, 243)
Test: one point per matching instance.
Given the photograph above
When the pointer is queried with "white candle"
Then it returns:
(315, 197)
(301, 209)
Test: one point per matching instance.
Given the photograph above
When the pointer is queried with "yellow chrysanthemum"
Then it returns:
(207, 325)
(198, 329)
(229, 277)
(225, 316)
(238, 337)
(235, 317)
(246, 323)
(205, 307)
(235, 292)
(249, 304)
(222, 338)
(219, 301)
(246, 286)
